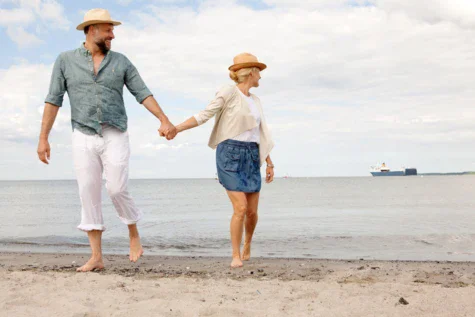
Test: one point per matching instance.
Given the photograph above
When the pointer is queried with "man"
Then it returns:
(94, 77)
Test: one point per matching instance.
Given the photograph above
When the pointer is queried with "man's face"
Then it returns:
(103, 36)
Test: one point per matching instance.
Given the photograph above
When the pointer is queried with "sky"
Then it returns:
(349, 83)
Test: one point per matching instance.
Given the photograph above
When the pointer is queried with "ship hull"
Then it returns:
(391, 173)
(406, 172)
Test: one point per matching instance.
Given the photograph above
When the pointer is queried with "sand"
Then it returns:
(47, 285)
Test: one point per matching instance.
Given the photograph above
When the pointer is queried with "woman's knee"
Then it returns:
(251, 212)
(240, 210)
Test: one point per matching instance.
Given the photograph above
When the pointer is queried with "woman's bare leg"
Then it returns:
(240, 206)
(250, 223)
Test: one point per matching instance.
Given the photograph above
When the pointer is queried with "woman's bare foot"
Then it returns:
(236, 263)
(92, 265)
(136, 249)
(246, 252)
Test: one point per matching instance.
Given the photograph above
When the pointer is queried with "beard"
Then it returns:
(102, 46)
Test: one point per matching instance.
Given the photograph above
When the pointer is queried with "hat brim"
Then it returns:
(236, 67)
(81, 26)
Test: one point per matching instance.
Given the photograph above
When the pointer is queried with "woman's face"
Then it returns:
(255, 76)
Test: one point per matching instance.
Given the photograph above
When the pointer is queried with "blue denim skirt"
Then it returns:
(238, 166)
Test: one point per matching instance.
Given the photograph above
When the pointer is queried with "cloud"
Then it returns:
(124, 2)
(32, 16)
(459, 12)
(48, 12)
(16, 17)
(23, 88)
(158, 147)
(314, 4)
(22, 38)
(51, 13)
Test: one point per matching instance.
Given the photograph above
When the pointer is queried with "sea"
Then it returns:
(383, 218)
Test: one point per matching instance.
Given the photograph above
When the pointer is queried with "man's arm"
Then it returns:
(49, 116)
(54, 100)
(167, 129)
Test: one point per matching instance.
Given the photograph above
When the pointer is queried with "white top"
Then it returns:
(252, 135)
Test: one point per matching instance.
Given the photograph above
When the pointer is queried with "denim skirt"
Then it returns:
(238, 166)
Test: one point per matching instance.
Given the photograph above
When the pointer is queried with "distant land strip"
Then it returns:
(448, 174)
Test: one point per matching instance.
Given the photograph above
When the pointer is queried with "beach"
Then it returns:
(42, 284)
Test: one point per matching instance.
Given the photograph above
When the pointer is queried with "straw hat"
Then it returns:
(245, 60)
(96, 16)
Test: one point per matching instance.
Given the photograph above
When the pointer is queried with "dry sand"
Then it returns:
(47, 285)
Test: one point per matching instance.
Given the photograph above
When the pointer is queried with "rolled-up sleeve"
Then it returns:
(214, 106)
(135, 83)
(57, 86)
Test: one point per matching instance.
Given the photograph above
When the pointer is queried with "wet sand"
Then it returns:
(46, 284)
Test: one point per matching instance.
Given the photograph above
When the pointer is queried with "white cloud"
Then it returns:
(460, 12)
(312, 4)
(29, 15)
(23, 89)
(51, 13)
(22, 38)
(16, 16)
(124, 2)
(161, 146)
(41, 11)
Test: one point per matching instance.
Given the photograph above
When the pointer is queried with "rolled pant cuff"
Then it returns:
(131, 222)
(91, 227)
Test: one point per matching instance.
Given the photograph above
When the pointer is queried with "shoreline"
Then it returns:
(37, 284)
(286, 269)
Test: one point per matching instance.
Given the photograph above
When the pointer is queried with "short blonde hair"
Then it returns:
(240, 75)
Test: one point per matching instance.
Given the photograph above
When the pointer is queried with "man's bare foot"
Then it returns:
(246, 252)
(92, 265)
(136, 250)
(236, 263)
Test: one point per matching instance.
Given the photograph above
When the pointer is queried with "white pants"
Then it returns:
(92, 156)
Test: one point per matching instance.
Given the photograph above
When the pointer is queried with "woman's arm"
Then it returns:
(210, 111)
(269, 170)
(188, 124)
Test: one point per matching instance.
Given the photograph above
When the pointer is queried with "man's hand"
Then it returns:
(44, 151)
(167, 130)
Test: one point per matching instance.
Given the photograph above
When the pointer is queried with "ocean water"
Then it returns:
(391, 218)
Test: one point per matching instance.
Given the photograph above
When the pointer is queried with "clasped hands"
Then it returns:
(167, 130)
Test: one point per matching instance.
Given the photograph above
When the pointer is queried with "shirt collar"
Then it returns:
(84, 50)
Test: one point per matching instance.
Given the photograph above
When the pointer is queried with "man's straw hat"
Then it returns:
(246, 60)
(96, 16)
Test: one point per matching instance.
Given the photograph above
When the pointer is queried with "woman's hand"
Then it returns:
(188, 124)
(269, 174)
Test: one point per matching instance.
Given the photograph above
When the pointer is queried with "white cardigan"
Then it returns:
(233, 117)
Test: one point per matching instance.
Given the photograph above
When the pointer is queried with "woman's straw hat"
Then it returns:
(246, 60)
(96, 16)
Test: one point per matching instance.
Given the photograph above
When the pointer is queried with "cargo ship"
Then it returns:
(383, 170)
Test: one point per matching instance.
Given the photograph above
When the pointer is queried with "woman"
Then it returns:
(243, 143)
